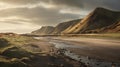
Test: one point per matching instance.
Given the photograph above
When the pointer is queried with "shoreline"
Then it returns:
(87, 54)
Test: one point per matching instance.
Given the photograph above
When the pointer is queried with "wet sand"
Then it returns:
(93, 51)
(47, 56)
(106, 49)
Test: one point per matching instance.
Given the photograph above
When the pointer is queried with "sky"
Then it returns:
(24, 16)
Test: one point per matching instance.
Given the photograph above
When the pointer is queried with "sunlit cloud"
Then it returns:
(12, 18)
(18, 28)
(20, 2)
(16, 24)
(73, 11)
(5, 6)
(39, 4)
(47, 5)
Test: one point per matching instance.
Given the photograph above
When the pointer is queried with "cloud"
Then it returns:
(20, 2)
(47, 12)
(112, 4)
(89, 4)
(38, 15)
(18, 28)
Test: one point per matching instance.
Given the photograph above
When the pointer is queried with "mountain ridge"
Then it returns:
(100, 20)
(64, 25)
(97, 19)
(44, 30)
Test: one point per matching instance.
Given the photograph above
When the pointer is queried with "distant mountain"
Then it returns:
(57, 29)
(44, 30)
(99, 21)
(63, 26)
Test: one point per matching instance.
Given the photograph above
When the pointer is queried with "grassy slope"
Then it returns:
(98, 21)
(14, 56)
(61, 27)
(11, 54)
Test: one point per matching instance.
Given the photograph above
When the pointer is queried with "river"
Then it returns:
(90, 61)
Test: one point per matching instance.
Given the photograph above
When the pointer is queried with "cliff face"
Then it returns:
(44, 30)
(63, 26)
(99, 21)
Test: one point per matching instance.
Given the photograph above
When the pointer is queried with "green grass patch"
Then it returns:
(16, 52)
(18, 40)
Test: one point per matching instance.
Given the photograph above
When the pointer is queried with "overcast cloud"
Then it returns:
(23, 16)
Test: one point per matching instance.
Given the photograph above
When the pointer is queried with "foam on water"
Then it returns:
(85, 59)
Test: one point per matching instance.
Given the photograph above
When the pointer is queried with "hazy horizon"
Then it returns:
(24, 16)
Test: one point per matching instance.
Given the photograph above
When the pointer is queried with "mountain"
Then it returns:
(114, 28)
(63, 26)
(57, 29)
(98, 21)
(44, 30)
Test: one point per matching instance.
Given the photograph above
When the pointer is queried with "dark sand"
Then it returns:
(106, 49)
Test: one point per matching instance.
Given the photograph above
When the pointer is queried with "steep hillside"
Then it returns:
(63, 26)
(113, 28)
(99, 21)
(44, 30)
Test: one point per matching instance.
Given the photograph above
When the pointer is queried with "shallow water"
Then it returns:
(92, 62)
(85, 59)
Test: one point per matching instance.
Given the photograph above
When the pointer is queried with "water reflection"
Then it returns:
(92, 62)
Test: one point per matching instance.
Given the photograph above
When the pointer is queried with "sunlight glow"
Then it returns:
(72, 11)
(22, 28)
(40, 4)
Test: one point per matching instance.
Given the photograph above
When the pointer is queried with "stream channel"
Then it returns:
(92, 62)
